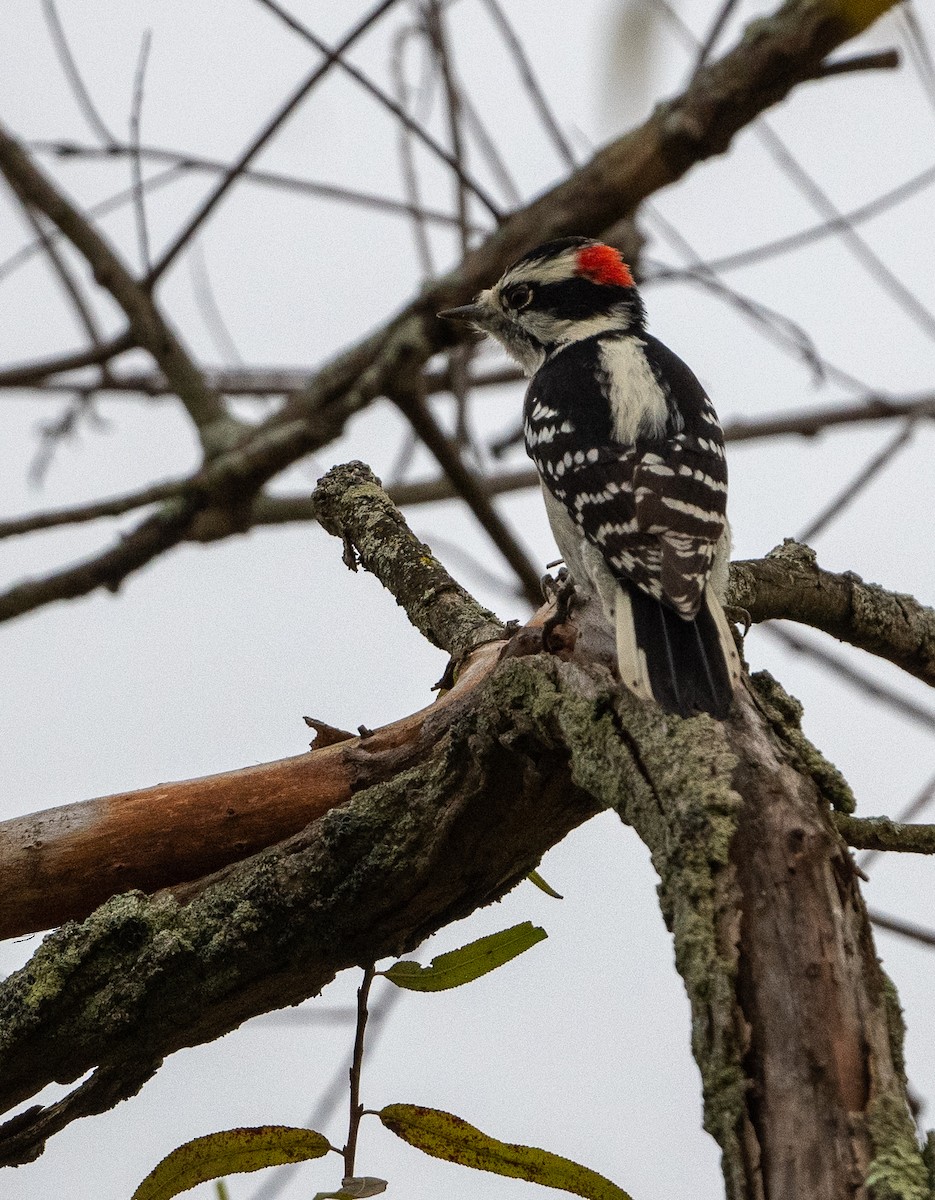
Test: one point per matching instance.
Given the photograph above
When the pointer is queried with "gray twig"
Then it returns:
(73, 75)
(136, 164)
(862, 479)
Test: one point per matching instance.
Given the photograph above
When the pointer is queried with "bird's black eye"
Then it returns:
(518, 296)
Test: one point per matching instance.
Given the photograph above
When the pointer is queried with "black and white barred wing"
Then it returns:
(656, 514)
(681, 499)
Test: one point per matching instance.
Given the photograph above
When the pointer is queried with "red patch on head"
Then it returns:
(603, 264)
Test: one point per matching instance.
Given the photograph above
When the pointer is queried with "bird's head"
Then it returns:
(559, 293)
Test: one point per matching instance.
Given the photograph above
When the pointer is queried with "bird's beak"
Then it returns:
(480, 314)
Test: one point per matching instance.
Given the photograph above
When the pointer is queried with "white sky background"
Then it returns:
(207, 660)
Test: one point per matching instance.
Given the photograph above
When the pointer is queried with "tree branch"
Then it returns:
(50, 862)
(789, 584)
(351, 504)
(881, 833)
(149, 327)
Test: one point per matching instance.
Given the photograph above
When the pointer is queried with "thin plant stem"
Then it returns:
(356, 1108)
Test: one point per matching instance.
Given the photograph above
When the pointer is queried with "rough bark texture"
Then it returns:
(791, 1015)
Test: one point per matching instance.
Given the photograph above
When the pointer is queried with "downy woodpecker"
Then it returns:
(630, 456)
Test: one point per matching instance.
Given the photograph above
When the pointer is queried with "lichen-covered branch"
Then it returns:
(880, 833)
(790, 1014)
(351, 504)
(789, 584)
(60, 864)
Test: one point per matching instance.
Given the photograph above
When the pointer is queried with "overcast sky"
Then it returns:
(207, 660)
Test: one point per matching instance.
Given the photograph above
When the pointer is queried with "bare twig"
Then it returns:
(111, 204)
(726, 96)
(530, 83)
(806, 237)
(70, 285)
(436, 34)
(488, 149)
(876, 268)
(209, 308)
(237, 168)
(94, 511)
(73, 75)
(351, 504)
(861, 680)
(149, 327)
(151, 538)
(53, 433)
(880, 833)
(862, 479)
(812, 191)
(389, 103)
(721, 18)
(411, 402)
(810, 422)
(136, 165)
(906, 929)
(407, 162)
(915, 806)
(182, 162)
(881, 60)
(919, 49)
(789, 585)
(782, 330)
(357, 1062)
(35, 372)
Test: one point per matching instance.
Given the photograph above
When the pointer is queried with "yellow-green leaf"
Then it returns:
(536, 878)
(227, 1153)
(468, 962)
(446, 1136)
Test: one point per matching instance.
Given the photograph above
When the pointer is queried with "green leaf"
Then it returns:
(536, 878)
(467, 963)
(446, 1136)
(228, 1153)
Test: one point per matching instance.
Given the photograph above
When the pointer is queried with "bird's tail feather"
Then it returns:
(687, 667)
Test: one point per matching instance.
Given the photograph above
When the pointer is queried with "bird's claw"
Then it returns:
(563, 592)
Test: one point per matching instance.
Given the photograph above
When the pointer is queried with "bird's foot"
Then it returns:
(562, 591)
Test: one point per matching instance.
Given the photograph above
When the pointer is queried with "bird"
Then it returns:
(630, 457)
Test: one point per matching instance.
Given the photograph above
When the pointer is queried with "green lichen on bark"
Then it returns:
(784, 714)
(898, 1171)
(928, 1157)
(351, 504)
(671, 780)
(689, 828)
(123, 923)
(895, 1024)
